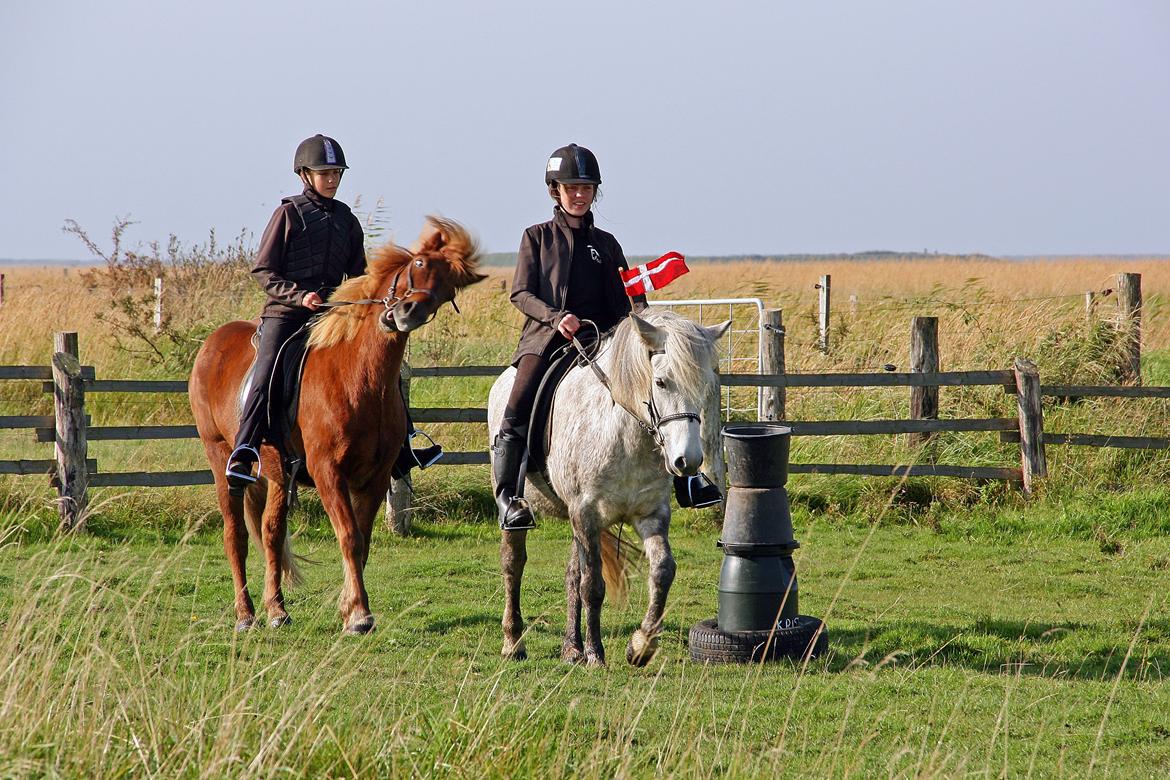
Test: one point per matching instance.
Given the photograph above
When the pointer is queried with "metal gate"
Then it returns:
(741, 349)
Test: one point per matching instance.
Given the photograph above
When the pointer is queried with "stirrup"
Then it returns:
(239, 467)
(696, 492)
(424, 456)
(518, 516)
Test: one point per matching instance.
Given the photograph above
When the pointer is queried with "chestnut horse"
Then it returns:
(351, 421)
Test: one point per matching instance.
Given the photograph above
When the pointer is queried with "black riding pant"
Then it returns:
(274, 331)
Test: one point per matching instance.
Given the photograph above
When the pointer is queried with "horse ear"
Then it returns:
(431, 238)
(717, 331)
(652, 336)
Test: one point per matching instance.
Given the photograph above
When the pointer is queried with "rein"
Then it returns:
(657, 420)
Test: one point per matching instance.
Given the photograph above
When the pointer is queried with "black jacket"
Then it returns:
(310, 245)
(543, 269)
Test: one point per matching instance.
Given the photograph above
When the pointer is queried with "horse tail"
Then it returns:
(254, 501)
(617, 557)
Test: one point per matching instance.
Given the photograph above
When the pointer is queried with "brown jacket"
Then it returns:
(540, 286)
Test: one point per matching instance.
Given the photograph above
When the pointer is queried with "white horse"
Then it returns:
(612, 456)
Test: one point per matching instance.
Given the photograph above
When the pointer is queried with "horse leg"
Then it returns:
(366, 504)
(572, 650)
(274, 525)
(655, 541)
(353, 603)
(513, 556)
(235, 535)
(587, 536)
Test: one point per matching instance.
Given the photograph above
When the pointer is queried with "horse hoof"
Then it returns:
(515, 652)
(360, 626)
(594, 661)
(245, 624)
(572, 655)
(641, 648)
(280, 621)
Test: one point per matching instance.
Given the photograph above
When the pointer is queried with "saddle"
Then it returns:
(284, 395)
(540, 424)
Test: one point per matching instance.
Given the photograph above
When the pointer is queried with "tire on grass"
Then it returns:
(707, 643)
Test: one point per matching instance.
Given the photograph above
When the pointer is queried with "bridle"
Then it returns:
(392, 299)
(657, 420)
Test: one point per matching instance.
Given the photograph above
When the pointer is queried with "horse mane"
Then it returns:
(688, 347)
(344, 323)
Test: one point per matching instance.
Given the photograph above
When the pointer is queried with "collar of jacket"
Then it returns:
(318, 200)
(562, 219)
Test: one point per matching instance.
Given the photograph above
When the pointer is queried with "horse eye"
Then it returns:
(419, 263)
(659, 381)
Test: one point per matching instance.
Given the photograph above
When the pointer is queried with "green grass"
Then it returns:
(1001, 640)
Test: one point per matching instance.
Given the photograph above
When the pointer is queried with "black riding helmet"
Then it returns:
(318, 153)
(572, 164)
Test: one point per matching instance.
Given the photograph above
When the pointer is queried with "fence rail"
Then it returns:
(72, 472)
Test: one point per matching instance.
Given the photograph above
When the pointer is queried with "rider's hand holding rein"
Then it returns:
(569, 325)
(312, 301)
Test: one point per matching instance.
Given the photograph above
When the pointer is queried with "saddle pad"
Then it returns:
(540, 424)
(284, 386)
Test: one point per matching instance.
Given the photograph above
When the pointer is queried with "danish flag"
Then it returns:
(654, 275)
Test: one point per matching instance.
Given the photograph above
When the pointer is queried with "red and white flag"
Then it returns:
(654, 275)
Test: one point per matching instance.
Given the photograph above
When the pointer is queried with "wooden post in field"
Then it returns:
(823, 298)
(771, 401)
(853, 305)
(69, 408)
(1129, 302)
(398, 500)
(1090, 305)
(1033, 461)
(923, 359)
(158, 303)
(1, 289)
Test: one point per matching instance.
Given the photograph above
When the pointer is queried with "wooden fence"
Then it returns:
(73, 473)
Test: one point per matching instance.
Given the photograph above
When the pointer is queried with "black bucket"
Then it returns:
(757, 454)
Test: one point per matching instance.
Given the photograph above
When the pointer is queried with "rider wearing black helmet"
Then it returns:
(566, 271)
(311, 244)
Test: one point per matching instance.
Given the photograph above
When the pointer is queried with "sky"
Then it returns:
(1008, 127)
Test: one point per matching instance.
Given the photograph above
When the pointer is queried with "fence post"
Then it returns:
(823, 298)
(772, 362)
(1033, 462)
(1090, 305)
(158, 289)
(70, 447)
(398, 509)
(1, 289)
(923, 359)
(1129, 300)
(853, 305)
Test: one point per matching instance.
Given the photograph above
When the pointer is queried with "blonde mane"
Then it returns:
(344, 323)
(688, 348)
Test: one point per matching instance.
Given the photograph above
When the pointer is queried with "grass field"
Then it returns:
(972, 633)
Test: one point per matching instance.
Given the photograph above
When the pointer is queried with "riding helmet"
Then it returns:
(318, 153)
(572, 164)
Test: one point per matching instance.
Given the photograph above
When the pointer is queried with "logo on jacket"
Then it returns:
(594, 254)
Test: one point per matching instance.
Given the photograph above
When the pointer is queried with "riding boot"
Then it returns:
(515, 514)
(696, 492)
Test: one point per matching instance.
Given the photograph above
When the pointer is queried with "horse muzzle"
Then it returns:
(405, 316)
